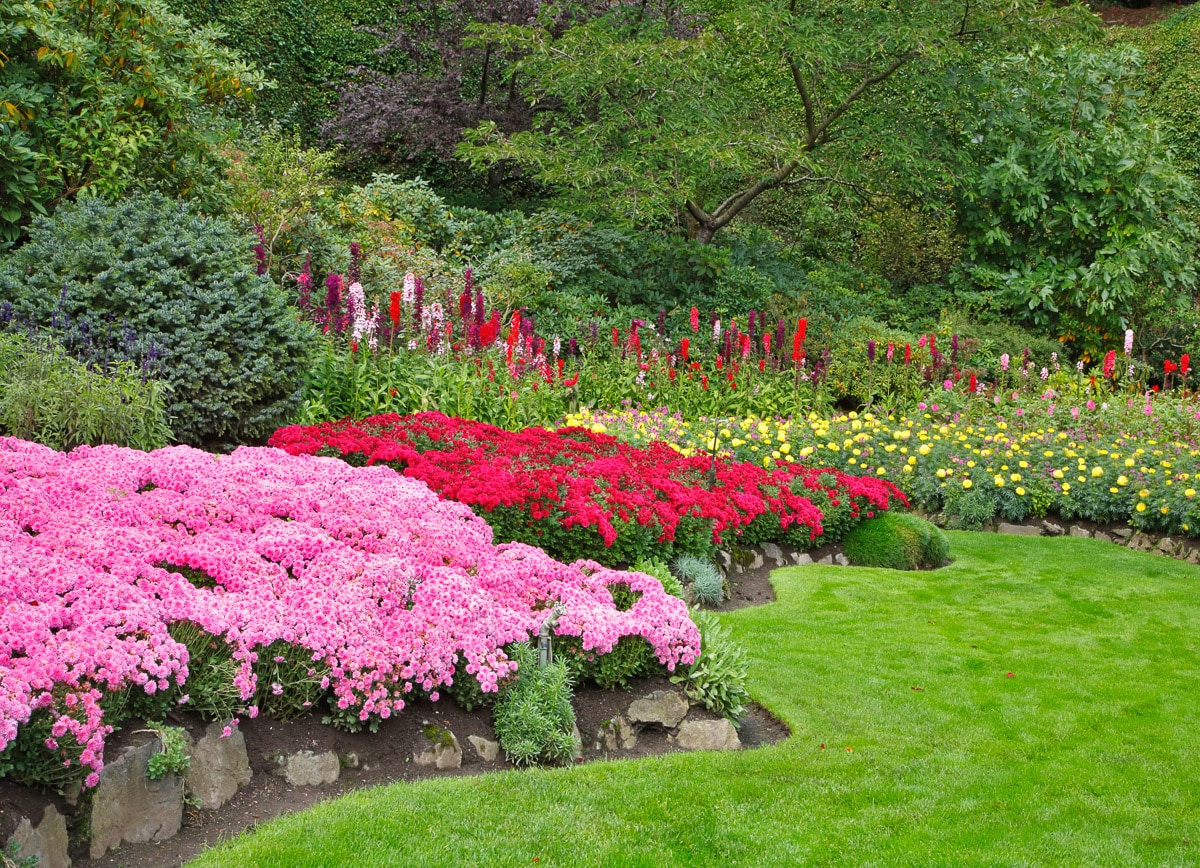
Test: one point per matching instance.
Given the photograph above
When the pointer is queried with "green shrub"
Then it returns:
(211, 686)
(897, 541)
(172, 756)
(230, 350)
(971, 510)
(50, 397)
(534, 719)
(660, 571)
(704, 577)
(632, 657)
(717, 678)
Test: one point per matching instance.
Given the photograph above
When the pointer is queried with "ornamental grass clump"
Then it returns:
(703, 578)
(898, 541)
(309, 582)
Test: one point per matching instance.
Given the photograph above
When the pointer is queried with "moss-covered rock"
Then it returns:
(897, 541)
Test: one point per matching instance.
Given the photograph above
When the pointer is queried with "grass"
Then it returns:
(1086, 754)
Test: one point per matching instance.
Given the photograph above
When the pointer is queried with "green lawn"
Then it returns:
(1088, 754)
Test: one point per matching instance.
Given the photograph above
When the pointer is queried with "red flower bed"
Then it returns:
(577, 492)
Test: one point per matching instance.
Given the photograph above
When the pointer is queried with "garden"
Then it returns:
(426, 409)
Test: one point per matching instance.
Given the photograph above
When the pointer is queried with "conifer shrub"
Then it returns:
(183, 291)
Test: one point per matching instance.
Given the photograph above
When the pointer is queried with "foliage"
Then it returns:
(705, 580)
(762, 96)
(717, 678)
(107, 96)
(280, 188)
(1076, 211)
(10, 857)
(533, 718)
(229, 350)
(659, 570)
(172, 756)
(305, 48)
(212, 690)
(630, 658)
(897, 541)
(48, 396)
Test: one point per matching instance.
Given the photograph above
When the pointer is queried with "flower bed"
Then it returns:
(361, 583)
(578, 492)
(1106, 467)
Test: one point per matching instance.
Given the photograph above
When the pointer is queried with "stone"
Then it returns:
(489, 751)
(350, 760)
(826, 561)
(617, 733)
(1101, 535)
(219, 767)
(756, 560)
(706, 735)
(802, 558)
(1193, 557)
(128, 807)
(1139, 542)
(443, 752)
(47, 842)
(1166, 545)
(1078, 531)
(841, 560)
(1020, 529)
(307, 769)
(1122, 532)
(664, 707)
(577, 741)
(1051, 528)
(724, 559)
(773, 552)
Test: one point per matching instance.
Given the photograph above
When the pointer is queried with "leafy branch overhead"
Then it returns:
(687, 113)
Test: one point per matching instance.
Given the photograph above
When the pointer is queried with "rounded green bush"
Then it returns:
(897, 541)
(179, 288)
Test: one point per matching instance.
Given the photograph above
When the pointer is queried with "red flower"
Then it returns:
(695, 320)
(1184, 364)
(907, 353)
(394, 310)
(683, 348)
(1169, 366)
(762, 364)
(1110, 362)
(971, 384)
(616, 337)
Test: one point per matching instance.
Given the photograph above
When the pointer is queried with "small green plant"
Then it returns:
(971, 510)
(172, 757)
(660, 571)
(898, 541)
(51, 398)
(717, 678)
(704, 577)
(534, 719)
(10, 857)
(212, 672)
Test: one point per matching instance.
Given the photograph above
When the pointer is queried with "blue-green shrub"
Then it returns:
(229, 349)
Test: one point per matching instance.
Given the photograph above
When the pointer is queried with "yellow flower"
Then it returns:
(941, 474)
(966, 483)
(1066, 487)
(1189, 493)
(1145, 492)
(1015, 477)
(1122, 480)
(880, 471)
(1057, 474)
(1020, 491)
(1141, 507)
(1165, 510)
(999, 480)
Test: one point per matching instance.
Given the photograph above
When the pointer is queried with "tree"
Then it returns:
(447, 82)
(688, 112)
(1075, 214)
(103, 96)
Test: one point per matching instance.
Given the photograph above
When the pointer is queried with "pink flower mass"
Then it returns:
(386, 585)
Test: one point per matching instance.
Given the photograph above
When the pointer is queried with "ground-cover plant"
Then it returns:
(717, 678)
(183, 287)
(578, 493)
(116, 565)
(706, 583)
(49, 396)
(1127, 461)
(1033, 702)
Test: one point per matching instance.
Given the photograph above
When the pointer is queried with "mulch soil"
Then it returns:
(384, 757)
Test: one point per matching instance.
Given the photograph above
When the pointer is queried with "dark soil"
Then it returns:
(383, 757)
(1149, 12)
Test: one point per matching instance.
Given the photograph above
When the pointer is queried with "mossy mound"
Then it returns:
(897, 541)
